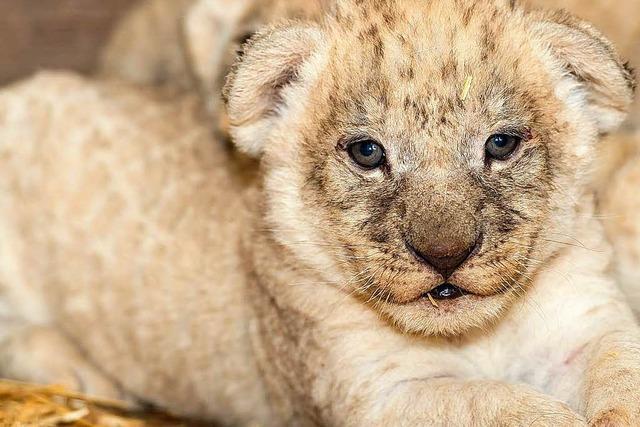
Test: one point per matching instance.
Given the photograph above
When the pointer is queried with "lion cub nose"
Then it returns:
(446, 258)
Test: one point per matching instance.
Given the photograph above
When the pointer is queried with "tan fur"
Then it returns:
(117, 174)
(146, 46)
(617, 20)
(173, 42)
(290, 298)
(619, 204)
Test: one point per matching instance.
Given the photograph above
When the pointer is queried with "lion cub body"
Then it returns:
(121, 256)
(143, 262)
(144, 184)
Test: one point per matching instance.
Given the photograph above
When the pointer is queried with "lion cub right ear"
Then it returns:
(254, 91)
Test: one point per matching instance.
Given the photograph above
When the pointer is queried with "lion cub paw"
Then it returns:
(538, 410)
(614, 418)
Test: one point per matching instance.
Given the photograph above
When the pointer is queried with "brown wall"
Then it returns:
(36, 34)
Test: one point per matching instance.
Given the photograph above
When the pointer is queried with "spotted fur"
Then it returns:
(291, 297)
(433, 136)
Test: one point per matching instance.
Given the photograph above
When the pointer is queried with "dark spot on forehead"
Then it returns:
(449, 69)
(419, 111)
(449, 106)
(488, 40)
(407, 72)
(380, 5)
(373, 31)
(389, 18)
(468, 14)
(379, 89)
(378, 49)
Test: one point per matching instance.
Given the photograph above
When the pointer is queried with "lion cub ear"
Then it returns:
(255, 89)
(603, 83)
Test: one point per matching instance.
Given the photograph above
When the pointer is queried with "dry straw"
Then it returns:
(26, 405)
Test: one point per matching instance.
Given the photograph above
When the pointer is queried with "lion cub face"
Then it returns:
(423, 155)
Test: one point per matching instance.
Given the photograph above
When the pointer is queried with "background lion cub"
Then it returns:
(406, 255)
(190, 45)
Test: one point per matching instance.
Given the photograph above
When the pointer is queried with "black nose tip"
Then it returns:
(446, 259)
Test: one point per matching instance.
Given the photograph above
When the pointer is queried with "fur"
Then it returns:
(144, 262)
(192, 43)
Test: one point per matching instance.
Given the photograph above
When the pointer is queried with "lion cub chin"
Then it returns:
(417, 248)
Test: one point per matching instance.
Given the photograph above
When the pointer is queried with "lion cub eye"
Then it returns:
(367, 153)
(501, 146)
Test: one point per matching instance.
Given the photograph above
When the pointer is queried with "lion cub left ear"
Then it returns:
(605, 84)
(255, 91)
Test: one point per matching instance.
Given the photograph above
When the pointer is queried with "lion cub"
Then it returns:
(418, 248)
(191, 44)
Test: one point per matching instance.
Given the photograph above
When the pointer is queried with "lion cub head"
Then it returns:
(418, 150)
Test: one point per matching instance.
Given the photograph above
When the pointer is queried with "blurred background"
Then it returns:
(37, 34)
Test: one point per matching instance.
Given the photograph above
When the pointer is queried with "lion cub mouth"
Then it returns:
(443, 293)
(450, 292)
(446, 291)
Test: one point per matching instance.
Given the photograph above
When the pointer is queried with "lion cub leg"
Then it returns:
(457, 402)
(384, 379)
(611, 392)
(43, 355)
